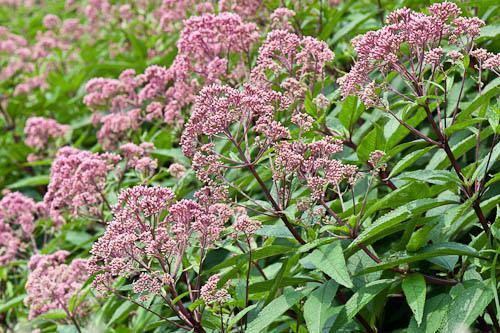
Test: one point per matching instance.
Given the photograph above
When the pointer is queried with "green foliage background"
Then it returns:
(421, 225)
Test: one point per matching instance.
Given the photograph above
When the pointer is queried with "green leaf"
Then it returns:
(264, 286)
(441, 161)
(414, 289)
(491, 90)
(55, 314)
(11, 303)
(486, 163)
(173, 153)
(391, 222)
(409, 160)
(419, 238)
(78, 238)
(122, 311)
(461, 125)
(265, 252)
(350, 112)
(468, 305)
(493, 116)
(470, 217)
(364, 295)
(372, 141)
(357, 20)
(276, 308)
(434, 314)
(318, 308)
(413, 190)
(314, 244)
(240, 315)
(330, 260)
(277, 281)
(278, 231)
(437, 177)
(30, 182)
(490, 31)
(431, 251)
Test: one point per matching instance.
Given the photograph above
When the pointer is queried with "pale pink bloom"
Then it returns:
(321, 101)
(217, 107)
(177, 170)
(433, 56)
(18, 209)
(245, 225)
(375, 160)
(286, 52)
(9, 244)
(137, 220)
(40, 131)
(384, 50)
(51, 21)
(280, 19)
(312, 164)
(244, 8)
(455, 56)
(210, 293)
(480, 54)
(77, 182)
(52, 283)
(493, 63)
(137, 157)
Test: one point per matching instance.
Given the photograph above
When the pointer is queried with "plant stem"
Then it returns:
(245, 318)
(268, 195)
(380, 11)
(428, 278)
(342, 299)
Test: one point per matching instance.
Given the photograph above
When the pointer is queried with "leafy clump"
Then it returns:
(249, 166)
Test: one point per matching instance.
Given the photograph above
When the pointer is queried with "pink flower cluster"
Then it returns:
(9, 244)
(207, 40)
(137, 157)
(217, 107)
(421, 35)
(171, 12)
(487, 60)
(177, 170)
(16, 54)
(162, 93)
(312, 163)
(140, 232)
(376, 160)
(246, 225)
(211, 294)
(41, 132)
(303, 59)
(28, 64)
(257, 106)
(52, 283)
(244, 8)
(18, 214)
(77, 183)
(280, 19)
(18, 209)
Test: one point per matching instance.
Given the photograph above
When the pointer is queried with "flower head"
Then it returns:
(52, 283)
(77, 182)
(17, 209)
(211, 294)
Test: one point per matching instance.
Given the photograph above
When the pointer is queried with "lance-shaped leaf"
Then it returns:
(330, 260)
(318, 308)
(275, 309)
(414, 289)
